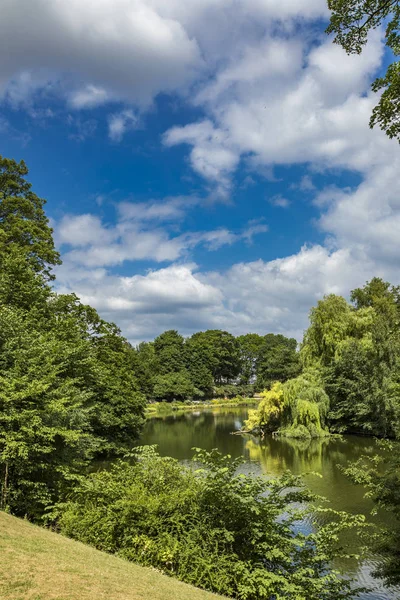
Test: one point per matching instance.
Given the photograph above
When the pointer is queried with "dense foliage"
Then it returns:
(380, 474)
(350, 382)
(297, 408)
(226, 532)
(213, 363)
(351, 22)
(67, 388)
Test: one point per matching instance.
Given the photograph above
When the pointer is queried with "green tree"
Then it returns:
(221, 354)
(44, 415)
(117, 408)
(198, 361)
(173, 386)
(23, 222)
(169, 350)
(278, 360)
(351, 21)
(297, 409)
(67, 388)
(250, 346)
(145, 367)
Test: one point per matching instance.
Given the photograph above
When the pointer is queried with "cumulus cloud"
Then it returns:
(142, 231)
(126, 49)
(260, 296)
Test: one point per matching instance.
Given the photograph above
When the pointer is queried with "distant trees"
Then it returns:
(213, 363)
(278, 360)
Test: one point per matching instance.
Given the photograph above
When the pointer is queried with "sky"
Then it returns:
(207, 164)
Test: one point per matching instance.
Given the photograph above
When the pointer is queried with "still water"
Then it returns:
(176, 435)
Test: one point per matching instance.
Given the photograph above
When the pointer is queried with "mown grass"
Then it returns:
(36, 564)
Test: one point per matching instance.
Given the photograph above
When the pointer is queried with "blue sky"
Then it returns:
(206, 164)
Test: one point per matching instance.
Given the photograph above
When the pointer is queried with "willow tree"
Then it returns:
(297, 408)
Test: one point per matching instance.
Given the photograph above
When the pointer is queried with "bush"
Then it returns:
(230, 533)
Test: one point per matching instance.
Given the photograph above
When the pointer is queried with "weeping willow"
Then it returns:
(297, 409)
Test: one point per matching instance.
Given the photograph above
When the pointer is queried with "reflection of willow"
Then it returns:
(297, 455)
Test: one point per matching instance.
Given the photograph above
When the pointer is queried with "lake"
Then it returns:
(176, 435)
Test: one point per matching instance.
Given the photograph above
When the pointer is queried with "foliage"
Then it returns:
(297, 408)
(221, 354)
(381, 476)
(278, 360)
(250, 347)
(23, 222)
(145, 365)
(67, 387)
(357, 351)
(351, 22)
(222, 531)
(173, 386)
(168, 348)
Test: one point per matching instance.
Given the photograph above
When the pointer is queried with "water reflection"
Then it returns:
(177, 434)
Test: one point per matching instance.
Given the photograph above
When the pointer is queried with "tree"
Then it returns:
(199, 361)
(297, 408)
(357, 351)
(374, 292)
(351, 21)
(169, 350)
(221, 354)
(173, 386)
(278, 360)
(117, 406)
(23, 222)
(44, 415)
(250, 346)
(145, 367)
(67, 387)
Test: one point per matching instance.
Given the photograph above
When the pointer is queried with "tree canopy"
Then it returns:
(67, 388)
(351, 22)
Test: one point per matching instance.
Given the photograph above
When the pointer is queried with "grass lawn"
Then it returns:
(36, 564)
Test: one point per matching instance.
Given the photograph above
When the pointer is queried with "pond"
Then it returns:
(176, 435)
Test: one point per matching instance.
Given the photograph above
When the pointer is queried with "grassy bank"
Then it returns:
(157, 408)
(36, 564)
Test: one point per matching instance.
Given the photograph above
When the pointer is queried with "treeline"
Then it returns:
(213, 363)
(67, 387)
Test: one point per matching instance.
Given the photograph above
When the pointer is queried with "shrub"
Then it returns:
(230, 533)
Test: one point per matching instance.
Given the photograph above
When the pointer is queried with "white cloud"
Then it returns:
(276, 101)
(88, 97)
(272, 92)
(123, 48)
(120, 123)
(170, 209)
(258, 296)
(210, 156)
(143, 231)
